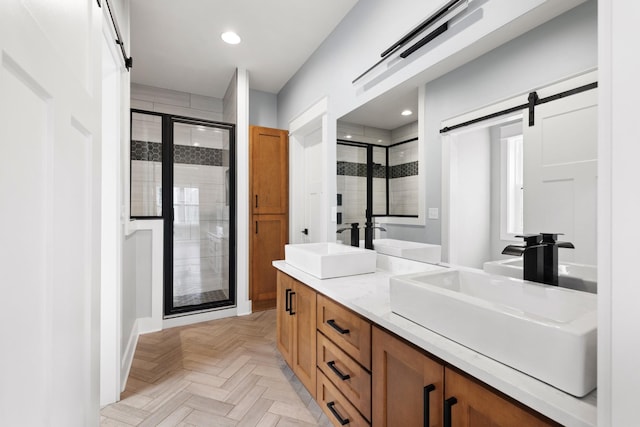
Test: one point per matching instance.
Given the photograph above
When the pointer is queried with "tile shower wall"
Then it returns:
(403, 179)
(352, 184)
(201, 158)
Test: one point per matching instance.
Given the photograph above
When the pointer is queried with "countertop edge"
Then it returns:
(375, 306)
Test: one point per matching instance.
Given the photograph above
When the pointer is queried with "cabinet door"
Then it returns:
(407, 385)
(269, 235)
(303, 309)
(284, 320)
(269, 170)
(475, 405)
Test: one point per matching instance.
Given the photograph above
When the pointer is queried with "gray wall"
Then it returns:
(263, 109)
(557, 49)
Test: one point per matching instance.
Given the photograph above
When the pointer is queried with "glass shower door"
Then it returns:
(202, 216)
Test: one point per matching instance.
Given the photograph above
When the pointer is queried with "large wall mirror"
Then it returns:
(481, 185)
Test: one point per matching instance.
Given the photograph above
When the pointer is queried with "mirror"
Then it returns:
(463, 175)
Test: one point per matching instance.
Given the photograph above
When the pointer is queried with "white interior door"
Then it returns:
(50, 218)
(313, 191)
(560, 173)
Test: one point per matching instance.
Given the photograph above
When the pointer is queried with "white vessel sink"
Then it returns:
(424, 252)
(581, 277)
(326, 260)
(544, 331)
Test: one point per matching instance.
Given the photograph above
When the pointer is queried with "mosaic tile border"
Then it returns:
(360, 169)
(183, 154)
(379, 171)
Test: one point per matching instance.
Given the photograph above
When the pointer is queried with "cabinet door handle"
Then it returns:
(342, 376)
(447, 410)
(256, 200)
(342, 421)
(287, 302)
(425, 402)
(341, 331)
(291, 312)
(256, 227)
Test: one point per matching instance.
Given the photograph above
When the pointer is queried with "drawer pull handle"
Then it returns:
(425, 396)
(447, 410)
(287, 301)
(342, 421)
(291, 312)
(341, 331)
(342, 376)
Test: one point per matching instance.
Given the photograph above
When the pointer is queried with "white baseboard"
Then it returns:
(127, 359)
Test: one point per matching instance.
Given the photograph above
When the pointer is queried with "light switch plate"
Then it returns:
(433, 213)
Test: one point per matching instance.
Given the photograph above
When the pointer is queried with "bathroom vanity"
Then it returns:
(366, 365)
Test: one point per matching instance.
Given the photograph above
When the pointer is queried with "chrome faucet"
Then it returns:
(355, 233)
(540, 253)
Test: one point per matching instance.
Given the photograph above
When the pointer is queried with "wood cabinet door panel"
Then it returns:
(284, 320)
(269, 235)
(346, 374)
(269, 171)
(303, 308)
(403, 380)
(479, 406)
(337, 407)
(334, 320)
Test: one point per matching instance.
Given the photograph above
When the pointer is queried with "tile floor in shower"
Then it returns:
(199, 274)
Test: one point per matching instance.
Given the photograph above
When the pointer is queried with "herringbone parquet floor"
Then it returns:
(226, 372)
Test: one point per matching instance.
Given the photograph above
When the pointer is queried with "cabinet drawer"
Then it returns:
(346, 329)
(337, 366)
(336, 406)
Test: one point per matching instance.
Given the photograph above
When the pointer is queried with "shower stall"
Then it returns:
(183, 173)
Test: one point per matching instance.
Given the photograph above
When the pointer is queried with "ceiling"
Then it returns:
(176, 44)
(384, 111)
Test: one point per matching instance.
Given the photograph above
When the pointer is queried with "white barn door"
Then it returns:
(50, 98)
(560, 173)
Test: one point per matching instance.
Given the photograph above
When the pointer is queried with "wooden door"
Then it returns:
(407, 385)
(269, 170)
(50, 156)
(478, 406)
(560, 173)
(303, 308)
(284, 320)
(269, 235)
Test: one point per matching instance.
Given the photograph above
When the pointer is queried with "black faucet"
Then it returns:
(533, 255)
(355, 233)
(540, 254)
(368, 234)
(551, 245)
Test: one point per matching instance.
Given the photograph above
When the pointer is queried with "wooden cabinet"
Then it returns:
(296, 325)
(407, 385)
(336, 406)
(362, 375)
(268, 237)
(353, 381)
(349, 331)
(269, 211)
(477, 406)
(269, 170)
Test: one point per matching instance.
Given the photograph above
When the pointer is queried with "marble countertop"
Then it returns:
(368, 295)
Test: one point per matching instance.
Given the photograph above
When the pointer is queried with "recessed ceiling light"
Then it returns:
(407, 113)
(196, 144)
(230, 37)
(348, 136)
(379, 140)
